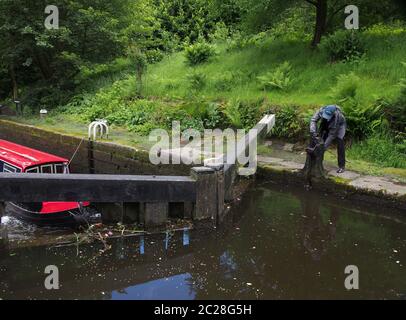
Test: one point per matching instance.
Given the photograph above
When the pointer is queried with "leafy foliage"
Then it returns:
(395, 111)
(244, 114)
(362, 119)
(344, 45)
(199, 53)
(197, 80)
(278, 79)
(381, 149)
(229, 80)
(233, 114)
(289, 123)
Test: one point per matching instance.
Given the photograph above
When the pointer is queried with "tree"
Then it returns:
(48, 60)
(263, 14)
(324, 13)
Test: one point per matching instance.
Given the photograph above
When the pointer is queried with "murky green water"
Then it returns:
(279, 244)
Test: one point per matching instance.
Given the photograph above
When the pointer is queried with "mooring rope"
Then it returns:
(76, 151)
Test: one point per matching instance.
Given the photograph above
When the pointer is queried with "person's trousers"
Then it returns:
(339, 138)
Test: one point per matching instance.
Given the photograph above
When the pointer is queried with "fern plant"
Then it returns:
(233, 114)
(278, 79)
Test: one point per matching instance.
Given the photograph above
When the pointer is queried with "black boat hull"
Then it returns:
(65, 219)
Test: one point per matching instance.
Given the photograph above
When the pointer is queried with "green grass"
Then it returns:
(381, 150)
(312, 75)
(66, 124)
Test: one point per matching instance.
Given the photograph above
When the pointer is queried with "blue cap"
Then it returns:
(328, 112)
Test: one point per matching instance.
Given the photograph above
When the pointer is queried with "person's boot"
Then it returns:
(341, 170)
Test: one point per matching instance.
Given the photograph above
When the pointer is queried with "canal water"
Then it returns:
(278, 243)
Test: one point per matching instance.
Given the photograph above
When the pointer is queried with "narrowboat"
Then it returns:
(15, 158)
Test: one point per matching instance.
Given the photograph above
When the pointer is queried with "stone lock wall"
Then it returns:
(92, 157)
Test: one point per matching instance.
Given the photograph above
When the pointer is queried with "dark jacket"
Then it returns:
(334, 125)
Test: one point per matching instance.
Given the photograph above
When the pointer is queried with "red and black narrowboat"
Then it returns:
(15, 158)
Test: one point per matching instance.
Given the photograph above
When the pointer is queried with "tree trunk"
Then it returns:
(321, 21)
(13, 81)
(43, 64)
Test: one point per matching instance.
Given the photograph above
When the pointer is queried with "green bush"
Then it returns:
(395, 111)
(244, 114)
(362, 118)
(213, 117)
(233, 114)
(251, 112)
(289, 122)
(239, 41)
(294, 24)
(278, 79)
(199, 53)
(154, 56)
(346, 87)
(186, 120)
(197, 80)
(143, 129)
(221, 32)
(344, 45)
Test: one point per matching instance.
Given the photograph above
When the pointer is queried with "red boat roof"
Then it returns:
(25, 157)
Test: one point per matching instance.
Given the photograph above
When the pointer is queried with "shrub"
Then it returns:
(139, 60)
(244, 114)
(225, 82)
(346, 87)
(343, 45)
(239, 41)
(278, 79)
(143, 129)
(232, 112)
(197, 80)
(134, 114)
(212, 117)
(251, 112)
(199, 53)
(362, 118)
(154, 56)
(395, 111)
(295, 23)
(221, 32)
(289, 123)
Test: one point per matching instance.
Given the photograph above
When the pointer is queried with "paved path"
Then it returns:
(359, 181)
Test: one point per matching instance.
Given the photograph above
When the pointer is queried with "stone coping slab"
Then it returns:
(371, 184)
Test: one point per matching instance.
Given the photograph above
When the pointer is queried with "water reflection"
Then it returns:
(279, 243)
(317, 234)
(161, 289)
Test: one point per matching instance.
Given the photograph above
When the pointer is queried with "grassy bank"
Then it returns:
(233, 73)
